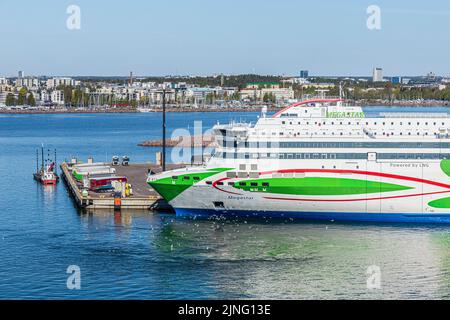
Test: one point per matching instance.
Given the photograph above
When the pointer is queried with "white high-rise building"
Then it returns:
(57, 97)
(44, 96)
(377, 75)
(28, 82)
(55, 82)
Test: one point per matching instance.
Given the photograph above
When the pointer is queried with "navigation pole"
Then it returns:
(164, 132)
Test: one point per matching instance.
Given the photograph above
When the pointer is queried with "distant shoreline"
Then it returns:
(249, 109)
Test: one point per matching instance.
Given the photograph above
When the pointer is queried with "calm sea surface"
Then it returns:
(138, 255)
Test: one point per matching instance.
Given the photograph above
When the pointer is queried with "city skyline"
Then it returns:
(159, 39)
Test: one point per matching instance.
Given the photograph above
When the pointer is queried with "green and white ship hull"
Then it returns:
(359, 175)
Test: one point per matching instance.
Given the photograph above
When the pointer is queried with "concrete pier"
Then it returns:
(143, 198)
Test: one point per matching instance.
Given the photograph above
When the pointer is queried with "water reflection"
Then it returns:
(299, 260)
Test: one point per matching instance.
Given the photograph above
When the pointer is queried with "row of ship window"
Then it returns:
(240, 184)
(230, 155)
(347, 133)
(418, 133)
(334, 144)
(367, 123)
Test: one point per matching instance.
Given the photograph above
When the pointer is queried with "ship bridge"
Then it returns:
(331, 107)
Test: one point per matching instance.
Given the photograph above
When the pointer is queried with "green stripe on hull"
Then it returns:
(318, 186)
(169, 188)
(443, 203)
(445, 166)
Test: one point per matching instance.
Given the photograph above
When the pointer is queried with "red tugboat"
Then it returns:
(46, 175)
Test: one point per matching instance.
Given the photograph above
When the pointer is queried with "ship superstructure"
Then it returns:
(321, 159)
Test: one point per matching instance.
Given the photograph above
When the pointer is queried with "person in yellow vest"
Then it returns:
(128, 190)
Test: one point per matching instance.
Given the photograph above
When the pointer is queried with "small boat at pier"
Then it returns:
(47, 176)
(46, 171)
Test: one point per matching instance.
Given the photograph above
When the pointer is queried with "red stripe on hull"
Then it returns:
(369, 173)
(360, 199)
(305, 102)
(221, 180)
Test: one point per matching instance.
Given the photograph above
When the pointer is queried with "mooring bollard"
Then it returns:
(117, 200)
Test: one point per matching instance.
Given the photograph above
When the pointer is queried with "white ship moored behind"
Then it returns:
(321, 159)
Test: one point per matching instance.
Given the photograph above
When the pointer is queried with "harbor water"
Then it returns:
(140, 255)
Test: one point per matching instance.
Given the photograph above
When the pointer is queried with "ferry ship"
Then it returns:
(321, 159)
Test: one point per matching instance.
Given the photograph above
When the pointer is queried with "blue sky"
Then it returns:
(327, 37)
